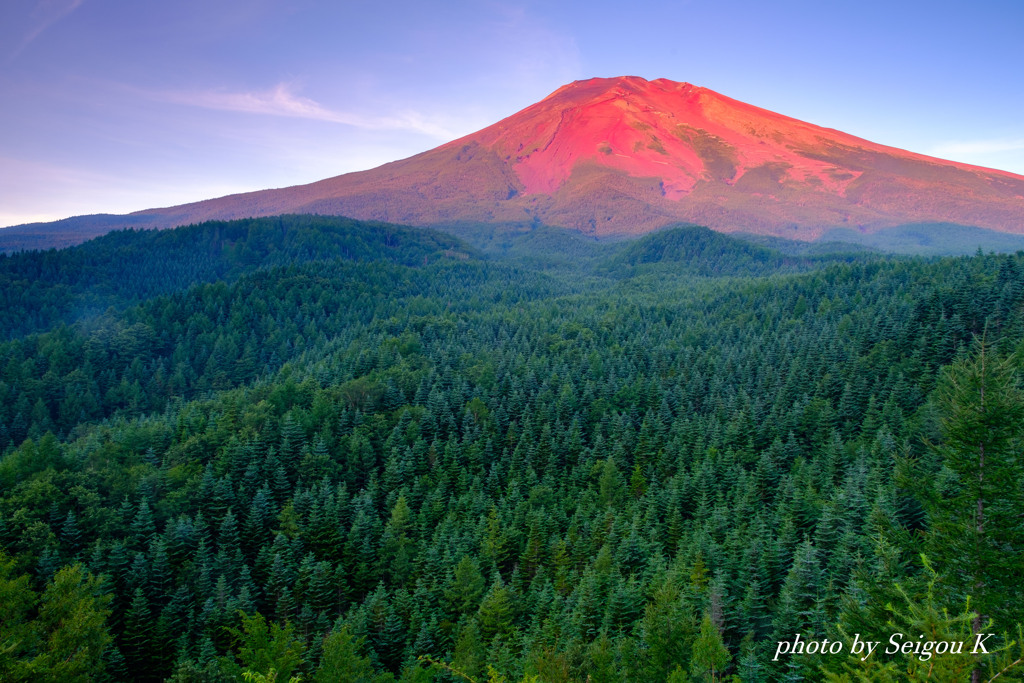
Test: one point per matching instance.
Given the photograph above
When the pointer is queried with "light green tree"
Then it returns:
(264, 648)
(710, 656)
(58, 636)
(924, 619)
(342, 661)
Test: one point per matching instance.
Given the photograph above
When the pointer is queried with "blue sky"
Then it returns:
(120, 105)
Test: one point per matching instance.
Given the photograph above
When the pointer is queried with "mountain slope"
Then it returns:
(625, 156)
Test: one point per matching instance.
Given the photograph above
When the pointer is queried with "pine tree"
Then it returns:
(610, 486)
(390, 642)
(138, 637)
(976, 537)
(466, 587)
(161, 578)
(320, 591)
(397, 544)
(293, 438)
(342, 661)
(263, 648)
(667, 629)
(70, 536)
(925, 618)
(496, 611)
(469, 654)
(143, 529)
(227, 536)
(799, 607)
(495, 543)
(710, 656)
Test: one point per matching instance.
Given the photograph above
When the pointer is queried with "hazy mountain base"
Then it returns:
(622, 470)
(931, 239)
(533, 239)
(67, 231)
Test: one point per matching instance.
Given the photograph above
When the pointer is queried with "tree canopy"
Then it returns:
(347, 451)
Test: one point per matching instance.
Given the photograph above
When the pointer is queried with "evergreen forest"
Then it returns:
(317, 449)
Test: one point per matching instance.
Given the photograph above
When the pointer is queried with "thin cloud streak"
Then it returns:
(282, 101)
(46, 14)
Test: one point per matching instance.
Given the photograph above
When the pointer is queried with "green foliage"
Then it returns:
(269, 677)
(497, 612)
(699, 251)
(43, 288)
(710, 656)
(267, 650)
(493, 676)
(60, 635)
(375, 450)
(976, 536)
(342, 662)
(923, 620)
(467, 586)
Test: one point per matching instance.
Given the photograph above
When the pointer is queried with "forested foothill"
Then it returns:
(320, 449)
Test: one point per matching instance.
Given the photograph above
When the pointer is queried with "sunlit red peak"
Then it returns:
(678, 132)
(626, 155)
(722, 162)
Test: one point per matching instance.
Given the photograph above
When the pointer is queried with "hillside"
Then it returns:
(39, 289)
(348, 450)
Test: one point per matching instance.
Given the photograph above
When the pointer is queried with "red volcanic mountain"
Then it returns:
(625, 156)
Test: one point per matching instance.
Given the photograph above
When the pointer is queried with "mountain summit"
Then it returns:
(625, 155)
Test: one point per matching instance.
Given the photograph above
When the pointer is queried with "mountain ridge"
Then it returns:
(624, 156)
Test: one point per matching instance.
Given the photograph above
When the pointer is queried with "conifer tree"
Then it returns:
(496, 611)
(397, 544)
(710, 656)
(976, 537)
(925, 618)
(138, 637)
(469, 653)
(466, 587)
(342, 661)
(263, 647)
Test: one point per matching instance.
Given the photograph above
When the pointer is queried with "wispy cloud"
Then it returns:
(45, 13)
(979, 147)
(282, 101)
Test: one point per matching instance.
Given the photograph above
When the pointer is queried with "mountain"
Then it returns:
(618, 156)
